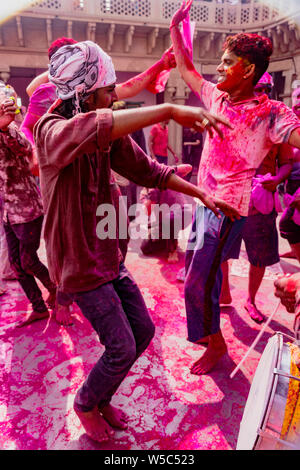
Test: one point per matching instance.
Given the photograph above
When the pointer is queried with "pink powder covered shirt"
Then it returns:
(160, 140)
(227, 166)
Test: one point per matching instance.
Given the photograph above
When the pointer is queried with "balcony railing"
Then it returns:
(216, 14)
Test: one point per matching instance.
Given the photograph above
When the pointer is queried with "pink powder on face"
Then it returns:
(233, 74)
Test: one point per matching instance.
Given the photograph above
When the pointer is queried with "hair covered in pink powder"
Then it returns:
(253, 48)
(58, 43)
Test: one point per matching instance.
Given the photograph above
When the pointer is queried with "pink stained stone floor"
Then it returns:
(43, 365)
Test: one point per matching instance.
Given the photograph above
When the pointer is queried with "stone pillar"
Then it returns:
(176, 92)
(289, 76)
(4, 73)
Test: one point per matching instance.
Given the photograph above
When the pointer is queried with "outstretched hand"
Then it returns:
(182, 13)
(209, 202)
(199, 119)
(215, 205)
(227, 209)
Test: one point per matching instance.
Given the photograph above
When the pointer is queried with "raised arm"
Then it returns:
(138, 83)
(186, 67)
(36, 82)
(294, 139)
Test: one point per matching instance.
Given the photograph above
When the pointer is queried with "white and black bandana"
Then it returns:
(79, 69)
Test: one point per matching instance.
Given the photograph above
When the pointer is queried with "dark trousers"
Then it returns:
(118, 314)
(212, 241)
(23, 241)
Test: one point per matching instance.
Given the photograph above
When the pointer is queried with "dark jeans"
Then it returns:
(23, 241)
(118, 314)
(211, 242)
(162, 159)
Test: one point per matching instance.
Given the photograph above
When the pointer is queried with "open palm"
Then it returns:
(182, 13)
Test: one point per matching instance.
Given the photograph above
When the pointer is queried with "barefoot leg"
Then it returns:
(215, 350)
(94, 425)
(63, 315)
(253, 311)
(114, 416)
(50, 301)
(225, 296)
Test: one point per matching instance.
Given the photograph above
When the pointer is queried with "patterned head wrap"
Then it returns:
(79, 69)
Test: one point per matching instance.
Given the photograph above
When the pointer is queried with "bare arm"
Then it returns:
(186, 67)
(176, 183)
(285, 156)
(285, 161)
(84, 133)
(138, 83)
(127, 89)
(131, 120)
(36, 82)
(294, 139)
(282, 174)
(150, 145)
(173, 153)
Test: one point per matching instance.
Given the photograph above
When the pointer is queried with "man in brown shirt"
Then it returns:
(22, 211)
(78, 143)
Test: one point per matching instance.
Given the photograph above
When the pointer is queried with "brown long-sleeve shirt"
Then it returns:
(22, 201)
(76, 157)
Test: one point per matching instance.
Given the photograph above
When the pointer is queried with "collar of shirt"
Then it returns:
(254, 99)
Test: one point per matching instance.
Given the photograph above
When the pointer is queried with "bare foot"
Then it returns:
(215, 350)
(51, 299)
(254, 313)
(63, 315)
(34, 316)
(115, 417)
(95, 425)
